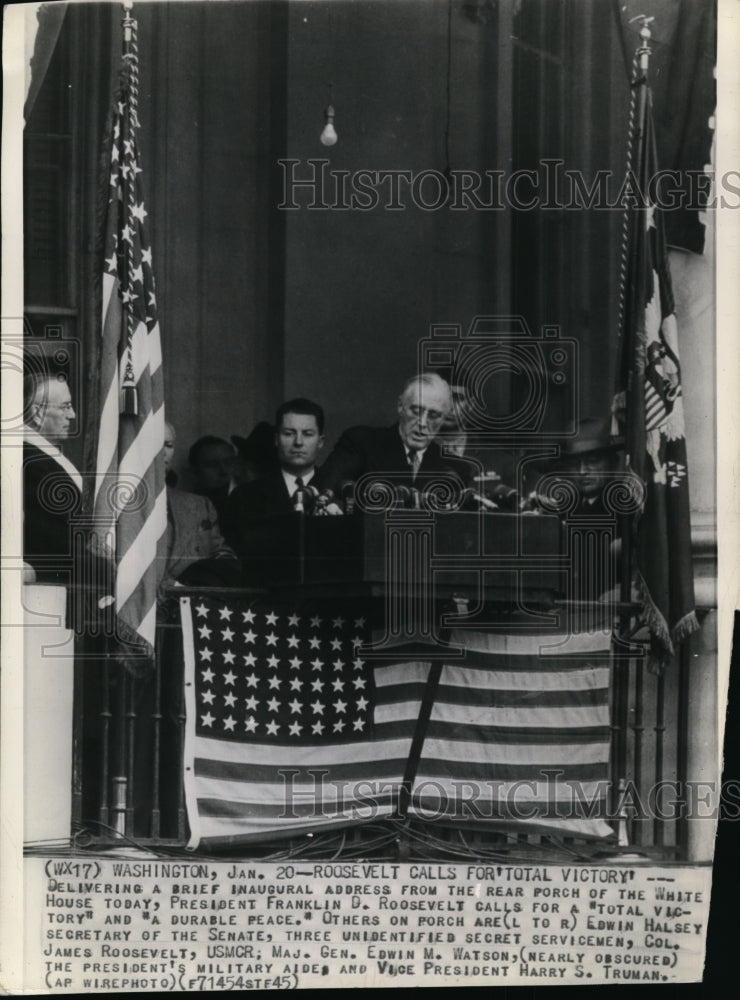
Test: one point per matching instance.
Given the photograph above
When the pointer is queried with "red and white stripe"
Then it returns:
(130, 497)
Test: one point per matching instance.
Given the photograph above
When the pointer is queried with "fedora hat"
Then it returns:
(593, 436)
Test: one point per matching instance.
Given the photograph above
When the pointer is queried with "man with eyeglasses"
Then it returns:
(408, 448)
(52, 485)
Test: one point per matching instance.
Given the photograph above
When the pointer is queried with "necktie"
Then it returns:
(298, 495)
(414, 461)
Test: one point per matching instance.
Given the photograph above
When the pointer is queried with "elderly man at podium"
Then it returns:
(407, 447)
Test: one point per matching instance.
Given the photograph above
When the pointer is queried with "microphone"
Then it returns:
(299, 499)
(320, 500)
(536, 503)
(504, 495)
(346, 492)
(311, 496)
(483, 502)
(405, 496)
(324, 498)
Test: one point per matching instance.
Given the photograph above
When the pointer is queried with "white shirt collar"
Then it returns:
(408, 449)
(32, 436)
(289, 479)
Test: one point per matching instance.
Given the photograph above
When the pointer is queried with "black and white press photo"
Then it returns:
(369, 521)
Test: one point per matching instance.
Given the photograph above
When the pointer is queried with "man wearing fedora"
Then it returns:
(590, 461)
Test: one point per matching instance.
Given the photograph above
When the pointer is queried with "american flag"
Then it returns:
(656, 444)
(130, 498)
(519, 734)
(290, 730)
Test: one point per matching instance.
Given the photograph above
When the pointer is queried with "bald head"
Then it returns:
(422, 407)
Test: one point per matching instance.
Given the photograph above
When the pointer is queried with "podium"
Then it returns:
(487, 557)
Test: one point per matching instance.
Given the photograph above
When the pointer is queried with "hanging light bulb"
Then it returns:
(329, 136)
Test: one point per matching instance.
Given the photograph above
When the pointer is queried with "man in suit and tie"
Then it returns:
(299, 439)
(407, 448)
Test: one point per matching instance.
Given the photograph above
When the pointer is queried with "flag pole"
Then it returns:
(636, 144)
(129, 392)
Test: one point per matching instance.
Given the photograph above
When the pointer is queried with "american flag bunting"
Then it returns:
(289, 730)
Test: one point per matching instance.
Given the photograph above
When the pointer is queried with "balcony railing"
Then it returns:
(129, 737)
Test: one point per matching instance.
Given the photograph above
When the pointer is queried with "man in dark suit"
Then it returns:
(299, 438)
(52, 485)
(212, 464)
(407, 448)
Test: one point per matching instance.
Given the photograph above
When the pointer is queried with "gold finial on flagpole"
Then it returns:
(645, 34)
(128, 20)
